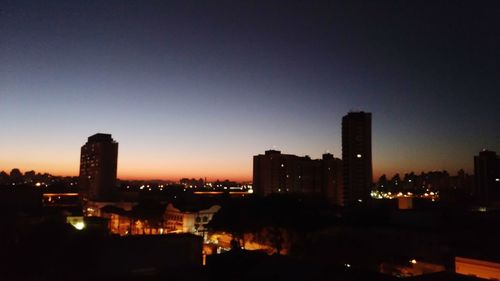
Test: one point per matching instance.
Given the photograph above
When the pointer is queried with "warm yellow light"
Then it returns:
(413, 261)
(79, 225)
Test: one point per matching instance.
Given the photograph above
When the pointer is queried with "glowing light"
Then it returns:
(60, 194)
(358, 155)
(497, 179)
(38, 184)
(79, 225)
(413, 261)
(250, 191)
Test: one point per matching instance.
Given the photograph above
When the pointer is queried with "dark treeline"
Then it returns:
(425, 181)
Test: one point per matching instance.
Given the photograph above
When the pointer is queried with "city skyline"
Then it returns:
(189, 89)
(177, 178)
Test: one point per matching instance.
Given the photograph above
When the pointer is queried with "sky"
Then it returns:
(196, 88)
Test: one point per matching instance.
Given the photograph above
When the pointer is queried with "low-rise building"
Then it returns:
(192, 220)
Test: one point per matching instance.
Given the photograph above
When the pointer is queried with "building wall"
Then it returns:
(478, 268)
(285, 173)
(98, 165)
(356, 157)
(332, 178)
(487, 177)
(193, 222)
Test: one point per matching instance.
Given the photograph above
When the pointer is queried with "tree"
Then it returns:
(396, 181)
(382, 183)
(16, 176)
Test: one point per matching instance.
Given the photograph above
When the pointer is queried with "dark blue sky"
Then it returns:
(195, 88)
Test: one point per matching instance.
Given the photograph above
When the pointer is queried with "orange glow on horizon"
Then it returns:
(174, 176)
(239, 170)
(152, 175)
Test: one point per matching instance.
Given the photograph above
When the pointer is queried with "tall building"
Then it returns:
(98, 163)
(275, 172)
(357, 157)
(487, 177)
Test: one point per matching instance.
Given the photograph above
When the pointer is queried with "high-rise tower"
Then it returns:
(357, 157)
(98, 163)
(487, 177)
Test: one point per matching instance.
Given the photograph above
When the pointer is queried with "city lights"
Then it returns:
(249, 140)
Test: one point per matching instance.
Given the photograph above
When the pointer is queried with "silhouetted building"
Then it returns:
(98, 163)
(487, 177)
(274, 172)
(357, 157)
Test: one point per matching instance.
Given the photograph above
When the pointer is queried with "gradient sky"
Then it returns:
(196, 88)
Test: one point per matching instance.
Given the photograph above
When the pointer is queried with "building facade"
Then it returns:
(274, 172)
(487, 177)
(189, 221)
(98, 164)
(357, 157)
